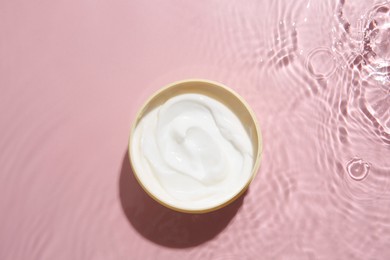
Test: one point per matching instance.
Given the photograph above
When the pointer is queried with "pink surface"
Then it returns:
(74, 73)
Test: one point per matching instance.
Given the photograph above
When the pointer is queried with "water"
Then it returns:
(73, 74)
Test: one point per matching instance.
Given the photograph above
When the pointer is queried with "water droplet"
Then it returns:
(358, 169)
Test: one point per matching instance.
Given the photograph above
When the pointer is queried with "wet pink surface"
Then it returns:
(74, 73)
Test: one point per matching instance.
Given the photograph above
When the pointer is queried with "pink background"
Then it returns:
(72, 76)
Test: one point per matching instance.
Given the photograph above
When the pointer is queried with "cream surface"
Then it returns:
(192, 151)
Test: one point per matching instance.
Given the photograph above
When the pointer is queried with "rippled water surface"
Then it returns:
(74, 73)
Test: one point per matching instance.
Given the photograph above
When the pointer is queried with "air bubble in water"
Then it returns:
(358, 169)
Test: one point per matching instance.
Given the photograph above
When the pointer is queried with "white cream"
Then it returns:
(193, 152)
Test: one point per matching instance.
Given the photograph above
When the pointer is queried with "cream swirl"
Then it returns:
(195, 147)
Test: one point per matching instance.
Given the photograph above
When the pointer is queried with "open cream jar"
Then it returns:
(195, 146)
